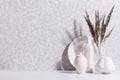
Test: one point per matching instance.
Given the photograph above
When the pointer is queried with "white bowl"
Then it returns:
(76, 47)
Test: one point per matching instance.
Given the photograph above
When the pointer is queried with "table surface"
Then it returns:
(56, 75)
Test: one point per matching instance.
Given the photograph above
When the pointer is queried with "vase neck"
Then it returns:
(89, 41)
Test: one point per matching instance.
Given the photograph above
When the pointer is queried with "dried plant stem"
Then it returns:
(99, 49)
(98, 31)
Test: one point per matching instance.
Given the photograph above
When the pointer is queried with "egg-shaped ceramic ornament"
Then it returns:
(105, 65)
(80, 63)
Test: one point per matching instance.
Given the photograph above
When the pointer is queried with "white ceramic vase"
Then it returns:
(80, 63)
(105, 65)
(90, 54)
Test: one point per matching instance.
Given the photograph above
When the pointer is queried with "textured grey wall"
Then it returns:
(34, 33)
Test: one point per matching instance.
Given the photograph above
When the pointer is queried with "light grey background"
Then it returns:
(34, 33)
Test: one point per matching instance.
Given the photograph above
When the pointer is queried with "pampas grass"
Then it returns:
(98, 30)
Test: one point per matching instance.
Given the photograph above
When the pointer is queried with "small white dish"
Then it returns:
(76, 47)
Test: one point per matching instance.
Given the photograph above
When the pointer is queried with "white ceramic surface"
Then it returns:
(80, 63)
(105, 65)
(90, 54)
(76, 47)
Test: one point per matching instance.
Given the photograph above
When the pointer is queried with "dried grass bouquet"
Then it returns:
(98, 30)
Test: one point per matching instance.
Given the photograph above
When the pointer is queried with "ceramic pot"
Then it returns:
(90, 54)
(80, 63)
(105, 65)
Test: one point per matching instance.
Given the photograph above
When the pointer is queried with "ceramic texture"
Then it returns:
(89, 52)
(80, 63)
(105, 65)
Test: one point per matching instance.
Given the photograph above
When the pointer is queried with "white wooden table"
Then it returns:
(55, 75)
